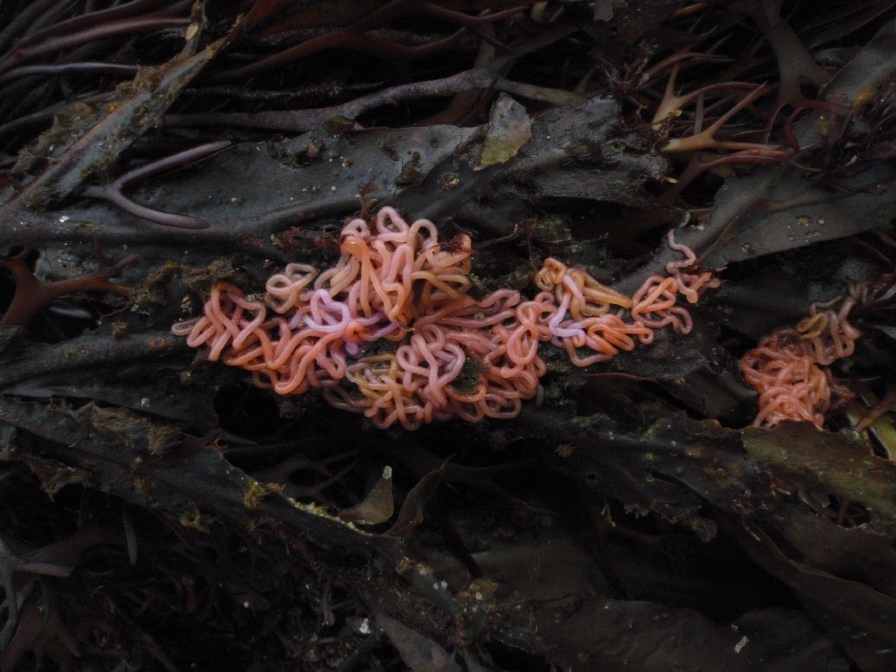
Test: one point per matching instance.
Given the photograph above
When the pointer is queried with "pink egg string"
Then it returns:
(446, 354)
(789, 368)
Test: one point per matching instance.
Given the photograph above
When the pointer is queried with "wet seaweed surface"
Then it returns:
(162, 512)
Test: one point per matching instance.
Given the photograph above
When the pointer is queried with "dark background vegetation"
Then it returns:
(159, 512)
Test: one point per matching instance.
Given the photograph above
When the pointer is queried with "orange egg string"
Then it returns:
(390, 331)
(790, 367)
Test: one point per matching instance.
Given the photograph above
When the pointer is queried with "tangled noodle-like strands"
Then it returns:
(453, 355)
(789, 368)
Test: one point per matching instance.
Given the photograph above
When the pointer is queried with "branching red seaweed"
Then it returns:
(32, 295)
